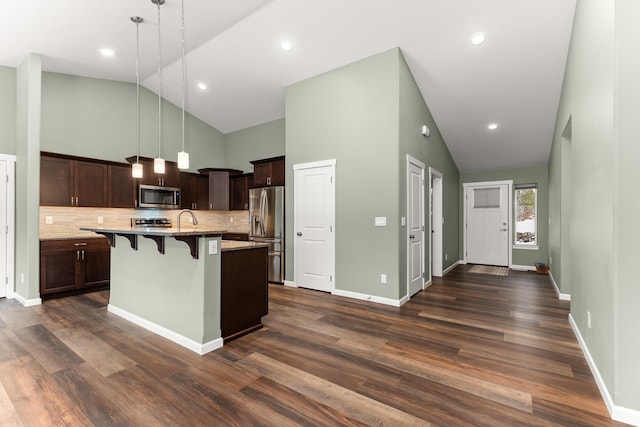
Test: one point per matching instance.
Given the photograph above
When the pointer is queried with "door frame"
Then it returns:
(509, 184)
(331, 163)
(435, 223)
(418, 163)
(11, 209)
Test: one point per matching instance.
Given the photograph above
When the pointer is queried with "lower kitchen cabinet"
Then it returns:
(74, 265)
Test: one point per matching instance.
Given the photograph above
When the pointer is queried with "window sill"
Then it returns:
(527, 247)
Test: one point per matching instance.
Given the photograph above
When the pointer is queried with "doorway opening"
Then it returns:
(415, 226)
(7, 223)
(436, 222)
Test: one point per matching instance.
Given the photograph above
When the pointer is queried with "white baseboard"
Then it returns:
(26, 302)
(561, 296)
(617, 413)
(290, 284)
(523, 267)
(452, 266)
(372, 298)
(427, 284)
(188, 343)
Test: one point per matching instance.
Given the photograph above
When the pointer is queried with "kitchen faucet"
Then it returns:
(194, 221)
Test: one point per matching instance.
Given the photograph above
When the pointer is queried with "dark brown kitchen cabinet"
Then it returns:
(268, 172)
(72, 182)
(74, 265)
(121, 187)
(194, 191)
(239, 191)
(170, 177)
(219, 186)
(244, 296)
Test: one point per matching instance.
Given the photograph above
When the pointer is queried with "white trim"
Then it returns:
(188, 343)
(427, 284)
(435, 173)
(11, 227)
(523, 267)
(452, 266)
(525, 247)
(290, 284)
(371, 298)
(561, 296)
(26, 302)
(312, 165)
(509, 184)
(617, 413)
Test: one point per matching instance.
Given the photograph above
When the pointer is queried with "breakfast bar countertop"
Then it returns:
(157, 231)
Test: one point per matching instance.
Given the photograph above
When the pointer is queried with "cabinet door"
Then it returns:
(201, 190)
(261, 172)
(57, 267)
(239, 193)
(186, 190)
(170, 177)
(277, 172)
(121, 187)
(55, 182)
(219, 191)
(90, 184)
(96, 264)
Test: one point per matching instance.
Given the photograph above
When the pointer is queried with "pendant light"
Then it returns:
(136, 168)
(183, 156)
(158, 162)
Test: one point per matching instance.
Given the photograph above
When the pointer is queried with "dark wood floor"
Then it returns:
(471, 350)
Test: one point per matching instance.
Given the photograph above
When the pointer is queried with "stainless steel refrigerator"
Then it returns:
(266, 224)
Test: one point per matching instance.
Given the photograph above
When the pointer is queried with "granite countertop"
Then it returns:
(235, 245)
(83, 237)
(157, 231)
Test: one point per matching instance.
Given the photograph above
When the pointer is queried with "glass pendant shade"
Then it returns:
(158, 165)
(136, 170)
(183, 160)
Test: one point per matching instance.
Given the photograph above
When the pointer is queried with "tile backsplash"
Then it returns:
(63, 222)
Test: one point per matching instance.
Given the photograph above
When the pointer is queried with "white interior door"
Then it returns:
(487, 224)
(3, 230)
(436, 222)
(314, 215)
(415, 225)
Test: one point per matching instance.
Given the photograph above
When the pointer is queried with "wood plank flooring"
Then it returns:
(471, 350)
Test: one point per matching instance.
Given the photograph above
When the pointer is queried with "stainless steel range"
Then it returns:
(150, 222)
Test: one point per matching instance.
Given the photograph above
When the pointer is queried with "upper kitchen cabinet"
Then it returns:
(170, 177)
(194, 191)
(239, 191)
(72, 181)
(121, 187)
(219, 183)
(268, 172)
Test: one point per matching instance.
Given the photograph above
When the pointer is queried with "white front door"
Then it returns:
(415, 225)
(487, 224)
(314, 218)
(3, 229)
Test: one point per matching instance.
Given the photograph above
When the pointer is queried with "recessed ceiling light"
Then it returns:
(106, 52)
(202, 86)
(492, 126)
(478, 38)
(286, 45)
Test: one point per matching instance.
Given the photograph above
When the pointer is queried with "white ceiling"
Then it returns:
(514, 78)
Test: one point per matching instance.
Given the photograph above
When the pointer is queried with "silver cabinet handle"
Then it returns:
(299, 233)
(83, 254)
(80, 244)
(77, 255)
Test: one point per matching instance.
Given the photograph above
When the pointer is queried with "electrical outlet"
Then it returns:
(446, 257)
(231, 219)
(383, 279)
(21, 277)
(100, 220)
(589, 319)
(48, 220)
(550, 260)
(213, 247)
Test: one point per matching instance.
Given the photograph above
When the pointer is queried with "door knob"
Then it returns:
(411, 236)
(299, 233)
(503, 229)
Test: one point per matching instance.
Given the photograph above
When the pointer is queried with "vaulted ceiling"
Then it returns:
(513, 79)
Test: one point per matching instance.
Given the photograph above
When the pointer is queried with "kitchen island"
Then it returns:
(178, 284)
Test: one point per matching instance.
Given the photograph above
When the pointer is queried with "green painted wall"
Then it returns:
(257, 142)
(594, 170)
(8, 110)
(351, 114)
(97, 118)
(28, 84)
(532, 175)
(433, 152)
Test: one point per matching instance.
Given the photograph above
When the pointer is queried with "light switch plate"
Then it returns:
(213, 247)
(403, 221)
(381, 221)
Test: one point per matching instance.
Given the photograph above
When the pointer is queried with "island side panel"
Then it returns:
(171, 290)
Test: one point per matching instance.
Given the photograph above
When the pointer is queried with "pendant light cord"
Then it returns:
(137, 21)
(160, 87)
(184, 84)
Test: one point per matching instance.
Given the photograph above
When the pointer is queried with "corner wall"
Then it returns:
(8, 110)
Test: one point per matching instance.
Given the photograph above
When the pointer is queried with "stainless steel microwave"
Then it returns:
(153, 196)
